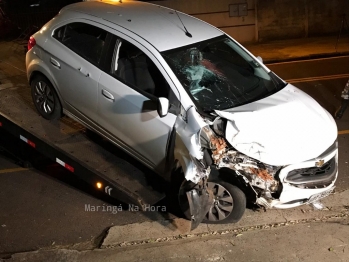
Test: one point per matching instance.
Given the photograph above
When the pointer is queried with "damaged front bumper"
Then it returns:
(306, 182)
(278, 187)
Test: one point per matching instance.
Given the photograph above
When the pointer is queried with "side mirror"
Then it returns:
(260, 59)
(163, 106)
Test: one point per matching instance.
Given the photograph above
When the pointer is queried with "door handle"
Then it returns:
(84, 72)
(55, 63)
(108, 95)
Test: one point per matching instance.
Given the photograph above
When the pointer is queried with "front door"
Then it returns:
(127, 100)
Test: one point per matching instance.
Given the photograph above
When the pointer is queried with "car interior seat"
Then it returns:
(133, 69)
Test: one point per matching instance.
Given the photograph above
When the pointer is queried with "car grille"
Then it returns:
(314, 177)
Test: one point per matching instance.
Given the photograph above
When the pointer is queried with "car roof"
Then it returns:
(158, 25)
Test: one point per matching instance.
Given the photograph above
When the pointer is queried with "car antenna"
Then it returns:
(186, 30)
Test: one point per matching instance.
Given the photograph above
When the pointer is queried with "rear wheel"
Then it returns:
(45, 98)
(228, 206)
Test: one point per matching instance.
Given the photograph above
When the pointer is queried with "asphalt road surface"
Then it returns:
(45, 206)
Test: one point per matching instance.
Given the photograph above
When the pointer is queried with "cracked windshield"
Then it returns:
(219, 74)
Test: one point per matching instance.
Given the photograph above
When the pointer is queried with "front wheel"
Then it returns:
(228, 206)
(229, 203)
(45, 98)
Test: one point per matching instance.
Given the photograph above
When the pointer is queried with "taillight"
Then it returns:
(31, 43)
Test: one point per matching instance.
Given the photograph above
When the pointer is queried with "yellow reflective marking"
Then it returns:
(317, 78)
(343, 132)
(11, 170)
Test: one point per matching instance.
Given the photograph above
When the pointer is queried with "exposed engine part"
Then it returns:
(262, 173)
(220, 147)
(217, 144)
(259, 175)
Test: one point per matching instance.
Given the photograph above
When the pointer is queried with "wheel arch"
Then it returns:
(230, 176)
(36, 74)
(224, 174)
(36, 68)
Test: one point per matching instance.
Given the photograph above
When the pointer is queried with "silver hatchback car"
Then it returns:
(189, 102)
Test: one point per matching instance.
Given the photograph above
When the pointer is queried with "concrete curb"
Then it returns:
(161, 231)
(129, 235)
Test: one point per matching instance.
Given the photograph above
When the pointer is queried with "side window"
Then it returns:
(130, 65)
(84, 39)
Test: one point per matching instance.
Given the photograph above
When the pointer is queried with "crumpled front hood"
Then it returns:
(285, 128)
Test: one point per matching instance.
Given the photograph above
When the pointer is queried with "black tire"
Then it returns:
(238, 205)
(221, 212)
(45, 98)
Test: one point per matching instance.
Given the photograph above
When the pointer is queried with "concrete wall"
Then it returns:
(216, 12)
(279, 19)
(268, 19)
(325, 16)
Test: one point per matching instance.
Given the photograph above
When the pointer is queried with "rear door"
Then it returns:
(74, 58)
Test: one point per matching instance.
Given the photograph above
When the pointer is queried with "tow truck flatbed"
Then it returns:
(67, 143)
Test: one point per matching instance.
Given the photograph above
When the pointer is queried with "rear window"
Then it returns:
(84, 39)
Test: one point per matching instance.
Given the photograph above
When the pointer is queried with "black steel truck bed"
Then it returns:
(65, 141)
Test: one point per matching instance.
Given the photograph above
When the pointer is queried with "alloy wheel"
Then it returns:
(223, 203)
(44, 97)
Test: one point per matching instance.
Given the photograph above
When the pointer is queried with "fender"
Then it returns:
(187, 149)
(37, 66)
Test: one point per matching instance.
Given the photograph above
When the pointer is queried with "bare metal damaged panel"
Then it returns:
(187, 148)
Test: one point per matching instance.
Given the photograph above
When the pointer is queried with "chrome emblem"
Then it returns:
(320, 163)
